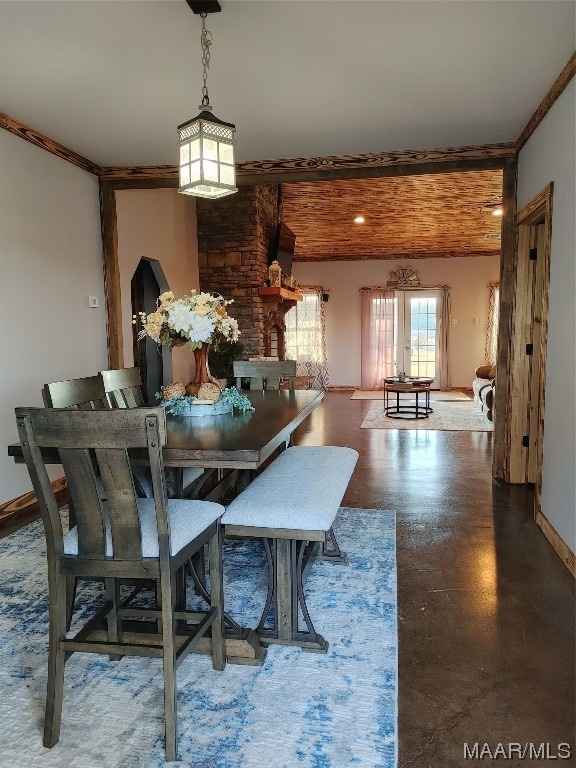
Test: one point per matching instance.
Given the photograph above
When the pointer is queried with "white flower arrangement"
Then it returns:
(194, 319)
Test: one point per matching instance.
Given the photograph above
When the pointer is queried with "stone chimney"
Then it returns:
(234, 236)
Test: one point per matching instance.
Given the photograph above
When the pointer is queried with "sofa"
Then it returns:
(483, 388)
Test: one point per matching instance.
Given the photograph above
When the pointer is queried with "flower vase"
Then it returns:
(206, 388)
(202, 374)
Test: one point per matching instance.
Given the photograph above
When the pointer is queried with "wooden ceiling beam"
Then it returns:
(376, 165)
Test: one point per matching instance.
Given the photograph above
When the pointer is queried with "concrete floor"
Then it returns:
(486, 607)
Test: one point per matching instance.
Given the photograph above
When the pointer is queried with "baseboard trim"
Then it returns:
(558, 544)
(18, 512)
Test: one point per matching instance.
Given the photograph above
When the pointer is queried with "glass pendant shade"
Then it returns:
(206, 147)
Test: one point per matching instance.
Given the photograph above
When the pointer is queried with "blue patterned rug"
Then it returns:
(298, 710)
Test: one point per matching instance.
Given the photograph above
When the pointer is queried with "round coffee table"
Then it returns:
(415, 387)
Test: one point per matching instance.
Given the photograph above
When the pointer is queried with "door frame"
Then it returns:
(521, 412)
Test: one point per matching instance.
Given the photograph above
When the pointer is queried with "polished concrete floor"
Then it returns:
(486, 607)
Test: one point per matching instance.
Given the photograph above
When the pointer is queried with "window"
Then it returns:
(305, 338)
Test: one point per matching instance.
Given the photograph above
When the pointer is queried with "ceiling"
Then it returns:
(442, 215)
(111, 80)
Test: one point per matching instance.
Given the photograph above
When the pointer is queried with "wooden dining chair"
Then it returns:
(264, 374)
(87, 394)
(123, 388)
(84, 394)
(124, 537)
(81, 394)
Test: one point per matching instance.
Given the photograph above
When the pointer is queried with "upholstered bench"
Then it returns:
(291, 506)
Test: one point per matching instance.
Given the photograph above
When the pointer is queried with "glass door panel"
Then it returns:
(417, 337)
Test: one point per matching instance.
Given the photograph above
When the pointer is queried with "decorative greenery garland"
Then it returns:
(178, 406)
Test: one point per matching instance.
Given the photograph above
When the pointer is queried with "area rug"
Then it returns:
(298, 710)
(456, 416)
(377, 394)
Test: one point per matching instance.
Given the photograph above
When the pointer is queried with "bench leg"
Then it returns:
(287, 559)
(331, 551)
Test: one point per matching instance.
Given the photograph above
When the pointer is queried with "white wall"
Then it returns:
(157, 224)
(550, 155)
(51, 261)
(468, 277)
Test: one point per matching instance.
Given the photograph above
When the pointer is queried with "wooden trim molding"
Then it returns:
(535, 207)
(139, 173)
(558, 544)
(113, 296)
(502, 392)
(402, 163)
(346, 166)
(545, 105)
(23, 510)
(44, 142)
(111, 268)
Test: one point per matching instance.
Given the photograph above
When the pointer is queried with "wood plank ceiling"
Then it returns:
(437, 215)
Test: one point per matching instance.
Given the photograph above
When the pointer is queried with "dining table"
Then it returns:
(235, 444)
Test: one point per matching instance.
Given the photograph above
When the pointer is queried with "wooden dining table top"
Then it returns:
(233, 440)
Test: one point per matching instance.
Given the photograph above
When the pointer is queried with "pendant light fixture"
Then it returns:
(205, 143)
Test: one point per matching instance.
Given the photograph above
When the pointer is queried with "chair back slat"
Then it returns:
(270, 370)
(103, 436)
(88, 512)
(119, 488)
(123, 387)
(85, 394)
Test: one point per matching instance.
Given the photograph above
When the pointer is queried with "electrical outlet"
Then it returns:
(476, 321)
(454, 321)
(92, 301)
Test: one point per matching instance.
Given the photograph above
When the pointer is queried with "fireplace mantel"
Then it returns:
(280, 295)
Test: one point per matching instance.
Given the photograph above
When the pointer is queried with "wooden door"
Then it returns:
(528, 340)
(417, 332)
(535, 418)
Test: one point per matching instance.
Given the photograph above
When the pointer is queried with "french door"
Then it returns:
(416, 333)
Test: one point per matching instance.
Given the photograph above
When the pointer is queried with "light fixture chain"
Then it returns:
(206, 41)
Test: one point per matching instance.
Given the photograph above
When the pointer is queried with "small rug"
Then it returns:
(456, 416)
(377, 394)
(298, 710)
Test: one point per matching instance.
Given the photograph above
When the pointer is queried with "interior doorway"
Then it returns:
(155, 363)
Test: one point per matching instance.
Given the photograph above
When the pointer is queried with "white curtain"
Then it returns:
(377, 336)
(305, 337)
(443, 339)
(491, 346)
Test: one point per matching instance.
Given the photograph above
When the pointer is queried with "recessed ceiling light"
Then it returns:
(359, 220)
(497, 212)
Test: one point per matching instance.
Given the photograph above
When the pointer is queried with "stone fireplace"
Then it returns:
(234, 236)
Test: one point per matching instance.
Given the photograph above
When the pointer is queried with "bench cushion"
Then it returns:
(186, 520)
(302, 489)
